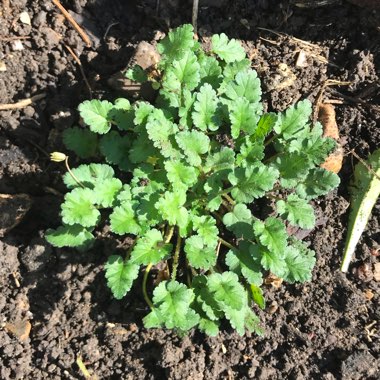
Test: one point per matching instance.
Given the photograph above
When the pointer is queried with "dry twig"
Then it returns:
(195, 15)
(13, 38)
(22, 103)
(84, 36)
(77, 60)
(327, 83)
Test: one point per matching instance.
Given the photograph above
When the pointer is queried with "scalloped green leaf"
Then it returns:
(226, 49)
(124, 221)
(199, 254)
(205, 107)
(272, 234)
(227, 290)
(252, 182)
(79, 208)
(88, 175)
(120, 275)
(193, 144)
(114, 147)
(294, 121)
(175, 45)
(297, 211)
(150, 248)
(106, 191)
(171, 207)
(82, 142)
(69, 236)
(95, 114)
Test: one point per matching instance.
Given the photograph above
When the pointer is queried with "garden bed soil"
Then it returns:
(54, 303)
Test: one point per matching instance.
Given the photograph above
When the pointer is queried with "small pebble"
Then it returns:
(2, 66)
(25, 18)
(17, 45)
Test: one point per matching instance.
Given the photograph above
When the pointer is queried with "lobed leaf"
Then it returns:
(239, 221)
(228, 50)
(205, 107)
(318, 182)
(81, 141)
(199, 254)
(172, 302)
(123, 220)
(252, 182)
(171, 208)
(137, 74)
(120, 275)
(88, 175)
(185, 71)
(193, 144)
(206, 228)
(95, 114)
(181, 175)
(78, 208)
(160, 129)
(299, 261)
(210, 71)
(69, 236)
(150, 248)
(114, 147)
(227, 290)
(175, 45)
(294, 121)
(271, 234)
(297, 211)
(246, 85)
(243, 262)
(106, 192)
(220, 161)
(243, 116)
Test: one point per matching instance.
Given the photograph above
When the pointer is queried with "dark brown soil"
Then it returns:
(326, 329)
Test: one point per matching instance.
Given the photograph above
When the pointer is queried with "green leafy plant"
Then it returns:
(205, 181)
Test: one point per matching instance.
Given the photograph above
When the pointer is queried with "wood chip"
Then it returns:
(273, 280)
(3, 67)
(368, 294)
(20, 329)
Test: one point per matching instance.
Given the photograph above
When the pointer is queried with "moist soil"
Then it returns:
(325, 329)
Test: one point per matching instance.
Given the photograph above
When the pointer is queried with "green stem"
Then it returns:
(226, 243)
(146, 297)
(217, 216)
(169, 234)
(229, 199)
(226, 191)
(72, 174)
(176, 257)
(270, 140)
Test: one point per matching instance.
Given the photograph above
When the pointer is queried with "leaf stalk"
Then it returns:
(176, 257)
(145, 293)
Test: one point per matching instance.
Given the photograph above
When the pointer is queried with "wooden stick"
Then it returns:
(22, 103)
(195, 15)
(77, 60)
(84, 36)
(5, 39)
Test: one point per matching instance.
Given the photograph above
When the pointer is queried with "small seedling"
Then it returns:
(204, 180)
